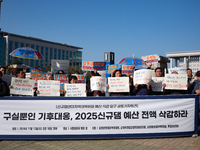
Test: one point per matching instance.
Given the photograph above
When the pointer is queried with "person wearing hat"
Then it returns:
(194, 87)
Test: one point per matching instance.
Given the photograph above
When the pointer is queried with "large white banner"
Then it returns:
(75, 90)
(142, 76)
(118, 84)
(176, 81)
(57, 65)
(22, 86)
(48, 88)
(157, 83)
(98, 83)
(84, 117)
(179, 70)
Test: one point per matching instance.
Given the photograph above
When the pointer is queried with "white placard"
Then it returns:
(83, 117)
(156, 83)
(48, 88)
(22, 86)
(7, 78)
(102, 73)
(176, 81)
(57, 65)
(179, 70)
(98, 83)
(75, 90)
(142, 76)
(151, 59)
(118, 84)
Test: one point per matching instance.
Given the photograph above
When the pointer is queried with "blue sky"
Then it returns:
(126, 27)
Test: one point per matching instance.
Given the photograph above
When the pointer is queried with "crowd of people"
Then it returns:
(193, 84)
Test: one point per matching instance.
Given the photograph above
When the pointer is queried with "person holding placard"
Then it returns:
(94, 93)
(77, 90)
(155, 83)
(49, 76)
(142, 89)
(190, 76)
(158, 72)
(19, 74)
(142, 79)
(117, 74)
(174, 92)
(195, 86)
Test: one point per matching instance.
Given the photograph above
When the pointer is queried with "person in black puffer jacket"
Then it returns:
(4, 90)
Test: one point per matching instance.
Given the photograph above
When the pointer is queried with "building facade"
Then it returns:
(49, 50)
(189, 59)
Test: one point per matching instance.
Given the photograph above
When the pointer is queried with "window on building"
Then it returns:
(51, 53)
(59, 53)
(67, 55)
(70, 55)
(63, 55)
(74, 55)
(22, 45)
(55, 53)
(42, 61)
(46, 54)
(16, 45)
(10, 50)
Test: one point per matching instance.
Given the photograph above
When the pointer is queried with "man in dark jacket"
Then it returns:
(4, 91)
(194, 87)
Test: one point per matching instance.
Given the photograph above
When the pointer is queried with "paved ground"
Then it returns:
(178, 143)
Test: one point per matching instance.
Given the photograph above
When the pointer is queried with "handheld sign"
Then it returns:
(63, 78)
(80, 78)
(118, 84)
(128, 69)
(98, 83)
(176, 81)
(112, 68)
(48, 88)
(180, 70)
(150, 59)
(37, 74)
(90, 65)
(75, 90)
(22, 86)
(156, 83)
(142, 76)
